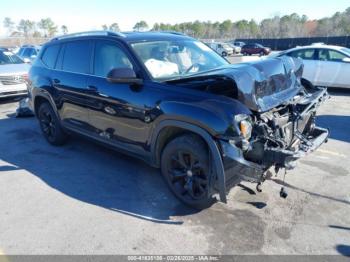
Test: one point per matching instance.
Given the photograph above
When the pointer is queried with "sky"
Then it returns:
(82, 15)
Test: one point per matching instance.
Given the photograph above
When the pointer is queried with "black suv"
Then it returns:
(170, 100)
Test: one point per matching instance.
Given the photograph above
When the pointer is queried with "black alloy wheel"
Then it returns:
(185, 166)
(50, 125)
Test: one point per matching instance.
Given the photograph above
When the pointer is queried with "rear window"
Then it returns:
(28, 52)
(50, 55)
(77, 57)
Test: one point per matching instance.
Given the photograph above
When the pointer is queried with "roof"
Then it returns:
(126, 36)
(334, 47)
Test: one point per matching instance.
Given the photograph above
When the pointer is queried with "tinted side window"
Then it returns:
(108, 55)
(77, 57)
(306, 54)
(50, 55)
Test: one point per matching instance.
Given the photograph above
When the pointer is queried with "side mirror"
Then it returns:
(346, 60)
(124, 76)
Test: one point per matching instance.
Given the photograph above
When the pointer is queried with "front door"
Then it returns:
(118, 113)
(333, 70)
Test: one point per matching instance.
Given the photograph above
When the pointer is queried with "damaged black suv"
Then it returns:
(170, 100)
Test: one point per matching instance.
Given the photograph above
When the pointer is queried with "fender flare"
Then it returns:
(213, 148)
(44, 94)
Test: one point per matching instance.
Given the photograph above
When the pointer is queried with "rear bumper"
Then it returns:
(237, 168)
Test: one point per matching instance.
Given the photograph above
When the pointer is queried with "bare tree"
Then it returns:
(9, 25)
(26, 27)
(140, 26)
(48, 27)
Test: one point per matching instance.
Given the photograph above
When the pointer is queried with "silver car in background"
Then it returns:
(13, 74)
(28, 52)
(236, 49)
(222, 49)
(324, 65)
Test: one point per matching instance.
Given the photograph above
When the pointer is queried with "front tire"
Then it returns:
(224, 54)
(50, 125)
(185, 167)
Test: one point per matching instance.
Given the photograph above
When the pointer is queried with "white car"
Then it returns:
(222, 49)
(236, 49)
(13, 75)
(324, 65)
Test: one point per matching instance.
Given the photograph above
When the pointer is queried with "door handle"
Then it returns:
(56, 81)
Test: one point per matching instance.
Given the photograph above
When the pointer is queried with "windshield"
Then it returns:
(9, 58)
(227, 46)
(175, 59)
(346, 50)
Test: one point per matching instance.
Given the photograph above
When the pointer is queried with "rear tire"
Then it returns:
(224, 54)
(50, 125)
(185, 167)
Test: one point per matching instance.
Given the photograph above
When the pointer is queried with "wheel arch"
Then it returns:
(169, 129)
(40, 98)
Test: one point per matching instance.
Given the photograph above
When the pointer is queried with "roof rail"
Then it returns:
(89, 33)
(153, 31)
(170, 32)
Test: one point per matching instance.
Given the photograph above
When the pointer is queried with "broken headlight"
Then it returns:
(244, 125)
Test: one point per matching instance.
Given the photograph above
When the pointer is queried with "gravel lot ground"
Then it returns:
(85, 199)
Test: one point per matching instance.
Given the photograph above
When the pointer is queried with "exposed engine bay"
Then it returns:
(280, 135)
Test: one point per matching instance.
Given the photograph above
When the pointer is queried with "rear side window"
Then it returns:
(77, 57)
(306, 54)
(50, 55)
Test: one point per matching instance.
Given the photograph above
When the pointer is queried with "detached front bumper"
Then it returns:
(287, 158)
(237, 168)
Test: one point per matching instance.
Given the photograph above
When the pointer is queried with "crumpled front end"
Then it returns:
(279, 137)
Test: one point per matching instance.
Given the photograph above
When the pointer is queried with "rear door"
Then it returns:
(70, 81)
(333, 70)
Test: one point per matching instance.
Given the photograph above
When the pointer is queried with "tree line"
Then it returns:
(287, 26)
(28, 28)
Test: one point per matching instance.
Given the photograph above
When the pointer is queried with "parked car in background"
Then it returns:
(173, 102)
(13, 74)
(222, 49)
(324, 65)
(238, 44)
(236, 49)
(255, 49)
(28, 52)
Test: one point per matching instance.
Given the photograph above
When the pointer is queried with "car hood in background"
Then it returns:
(14, 69)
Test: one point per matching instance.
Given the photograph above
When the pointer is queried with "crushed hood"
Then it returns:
(261, 85)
